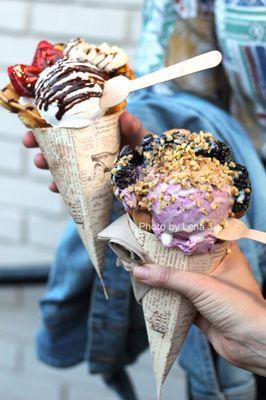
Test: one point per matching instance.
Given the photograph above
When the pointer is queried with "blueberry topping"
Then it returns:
(125, 176)
(217, 149)
(241, 182)
(137, 158)
(147, 140)
(125, 151)
(149, 143)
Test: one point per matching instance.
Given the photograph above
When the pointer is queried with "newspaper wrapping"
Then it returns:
(81, 161)
(167, 314)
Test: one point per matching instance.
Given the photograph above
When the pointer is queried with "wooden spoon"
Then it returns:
(236, 229)
(117, 89)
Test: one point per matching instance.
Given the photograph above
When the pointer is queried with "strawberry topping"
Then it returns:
(46, 55)
(24, 77)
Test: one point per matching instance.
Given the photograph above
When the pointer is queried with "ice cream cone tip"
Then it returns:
(159, 392)
(106, 294)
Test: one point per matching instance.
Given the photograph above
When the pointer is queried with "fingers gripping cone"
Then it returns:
(80, 161)
(168, 315)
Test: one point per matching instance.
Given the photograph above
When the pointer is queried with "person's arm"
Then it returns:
(131, 129)
(232, 311)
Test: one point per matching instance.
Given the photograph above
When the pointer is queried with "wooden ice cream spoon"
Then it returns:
(117, 89)
(236, 229)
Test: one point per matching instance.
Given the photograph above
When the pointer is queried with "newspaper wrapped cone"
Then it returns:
(80, 161)
(167, 314)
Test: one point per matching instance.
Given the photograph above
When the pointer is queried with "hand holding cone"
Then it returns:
(167, 314)
(177, 187)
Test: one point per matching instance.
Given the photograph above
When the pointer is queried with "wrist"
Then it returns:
(255, 342)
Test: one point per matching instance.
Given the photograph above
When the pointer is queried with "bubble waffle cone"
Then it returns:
(126, 71)
(30, 116)
(167, 314)
(142, 219)
(117, 108)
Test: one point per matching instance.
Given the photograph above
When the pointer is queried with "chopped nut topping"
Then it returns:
(214, 206)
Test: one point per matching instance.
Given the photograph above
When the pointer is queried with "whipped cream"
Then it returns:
(27, 101)
(68, 93)
(104, 57)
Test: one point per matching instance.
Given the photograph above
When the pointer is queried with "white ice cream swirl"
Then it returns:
(104, 57)
(68, 93)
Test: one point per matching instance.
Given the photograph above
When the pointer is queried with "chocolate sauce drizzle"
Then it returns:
(60, 87)
(71, 45)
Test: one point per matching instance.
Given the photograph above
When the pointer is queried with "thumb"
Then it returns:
(189, 284)
(132, 130)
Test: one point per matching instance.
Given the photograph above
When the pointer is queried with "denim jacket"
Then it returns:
(78, 324)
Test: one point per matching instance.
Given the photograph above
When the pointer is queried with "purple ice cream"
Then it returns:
(186, 182)
(189, 222)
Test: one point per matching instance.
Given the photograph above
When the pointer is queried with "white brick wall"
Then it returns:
(69, 20)
(31, 218)
(11, 9)
(20, 370)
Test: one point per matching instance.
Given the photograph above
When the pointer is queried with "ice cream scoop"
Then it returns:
(67, 94)
(188, 184)
(189, 218)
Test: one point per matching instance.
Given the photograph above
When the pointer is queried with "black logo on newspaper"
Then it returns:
(102, 163)
(160, 322)
(76, 213)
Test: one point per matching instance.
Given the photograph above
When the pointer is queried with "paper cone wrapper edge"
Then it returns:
(168, 315)
(81, 161)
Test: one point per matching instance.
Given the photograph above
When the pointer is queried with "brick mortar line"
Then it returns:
(24, 228)
(57, 37)
(53, 216)
(112, 6)
(40, 248)
(41, 179)
(7, 138)
(20, 360)
(63, 391)
(14, 33)
(28, 18)
(6, 172)
(84, 4)
(43, 248)
(16, 336)
(42, 380)
(7, 241)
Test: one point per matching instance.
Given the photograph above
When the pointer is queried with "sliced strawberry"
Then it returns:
(23, 78)
(46, 55)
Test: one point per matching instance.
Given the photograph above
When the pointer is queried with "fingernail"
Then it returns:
(141, 272)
